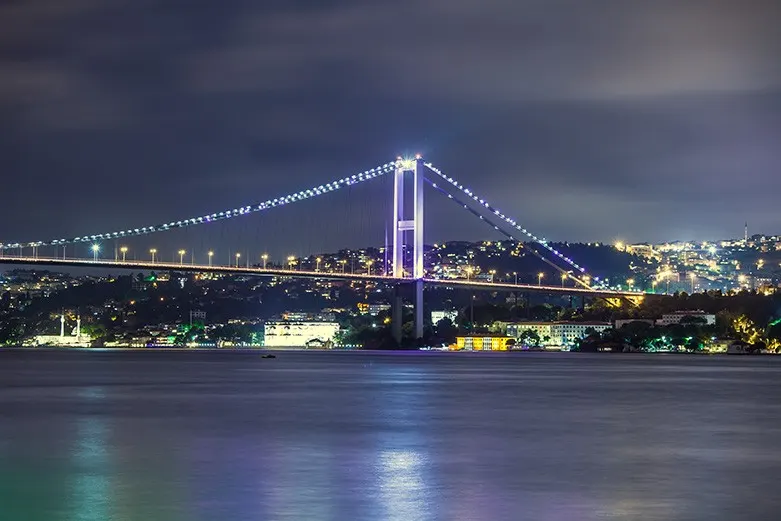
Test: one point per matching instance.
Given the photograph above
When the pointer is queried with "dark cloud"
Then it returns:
(585, 120)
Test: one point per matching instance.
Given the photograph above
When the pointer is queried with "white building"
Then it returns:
(543, 330)
(436, 316)
(75, 339)
(556, 333)
(62, 341)
(678, 316)
(299, 334)
(567, 333)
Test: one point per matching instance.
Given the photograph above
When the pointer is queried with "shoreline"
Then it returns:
(298, 349)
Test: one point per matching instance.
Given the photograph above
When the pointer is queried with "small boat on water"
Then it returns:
(268, 356)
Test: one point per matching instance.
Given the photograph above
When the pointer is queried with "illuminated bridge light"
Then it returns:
(309, 193)
(512, 222)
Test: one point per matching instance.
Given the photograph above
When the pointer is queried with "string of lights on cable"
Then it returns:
(505, 218)
(510, 236)
(226, 214)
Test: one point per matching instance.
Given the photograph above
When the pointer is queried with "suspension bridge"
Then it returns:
(406, 266)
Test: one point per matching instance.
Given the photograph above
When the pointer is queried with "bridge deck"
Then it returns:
(278, 272)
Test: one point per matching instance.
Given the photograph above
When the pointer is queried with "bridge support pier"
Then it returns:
(401, 224)
(397, 314)
(418, 308)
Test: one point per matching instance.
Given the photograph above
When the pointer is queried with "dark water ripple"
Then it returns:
(219, 436)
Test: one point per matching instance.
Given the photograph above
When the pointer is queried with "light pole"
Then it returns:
(630, 283)
(317, 263)
(290, 260)
(493, 275)
(540, 275)
(343, 262)
(563, 278)
(653, 285)
(369, 266)
(469, 272)
(515, 274)
(472, 314)
(210, 254)
(264, 258)
(181, 256)
(95, 250)
(153, 252)
(238, 256)
(123, 249)
(692, 276)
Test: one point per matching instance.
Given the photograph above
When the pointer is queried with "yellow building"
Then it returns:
(482, 343)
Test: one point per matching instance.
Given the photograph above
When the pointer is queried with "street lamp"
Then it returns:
(493, 274)
(181, 256)
(369, 266)
(630, 283)
(653, 285)
(317, 265)
(153, 252)
(515, 274)
(343, 262)
(291, 262)
(210, 254)
(238, 256)
(563, 278)
(264, 258)
(469, 270)
(540, 275)
(123, 249)
(692, 276)
(95, 250)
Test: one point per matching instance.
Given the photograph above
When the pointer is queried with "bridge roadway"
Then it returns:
(279, 272)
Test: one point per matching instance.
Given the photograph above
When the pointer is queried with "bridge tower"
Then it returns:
(401, 225)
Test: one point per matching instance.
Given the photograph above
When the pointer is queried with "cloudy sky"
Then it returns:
(585, 120)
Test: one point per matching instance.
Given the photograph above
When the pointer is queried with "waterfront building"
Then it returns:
(542, 329)
(678, 317)
(62, 341)
(556, 333)
(483, 343)
(286, 333)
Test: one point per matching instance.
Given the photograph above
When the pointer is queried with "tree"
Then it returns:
(636, 332)
(446, 331)
(693, 321)
(774, 335)
(530, 338)
(95, 331)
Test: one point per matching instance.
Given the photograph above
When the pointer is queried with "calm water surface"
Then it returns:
(222, 436)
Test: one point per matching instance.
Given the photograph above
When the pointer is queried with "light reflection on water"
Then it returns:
(401, 485)
(89, 483)
(327, 436)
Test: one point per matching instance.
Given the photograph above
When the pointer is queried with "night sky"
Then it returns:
(585, 120)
